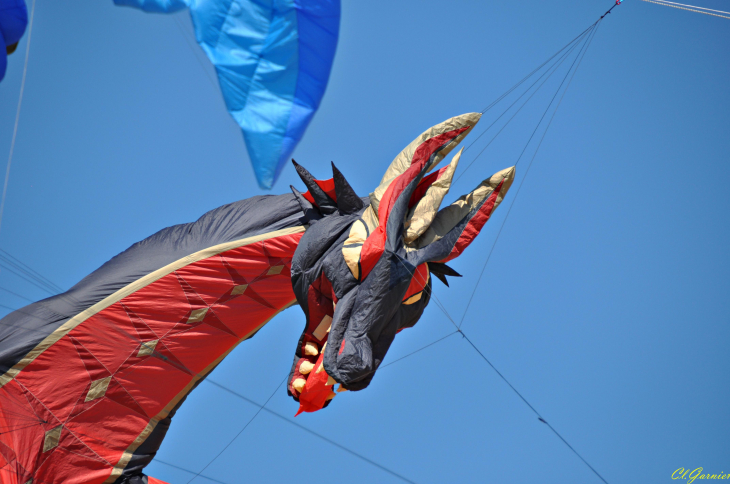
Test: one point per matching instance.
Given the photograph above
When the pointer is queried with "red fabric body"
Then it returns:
(371, 251)
(52, 390)
(152, 480)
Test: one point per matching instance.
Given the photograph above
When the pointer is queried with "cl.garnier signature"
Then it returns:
(691, 474)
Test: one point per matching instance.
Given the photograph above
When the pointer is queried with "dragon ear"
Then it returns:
(347, 200)
(323, 201)
(398, 190)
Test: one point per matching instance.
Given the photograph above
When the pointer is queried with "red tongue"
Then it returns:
(316, 391)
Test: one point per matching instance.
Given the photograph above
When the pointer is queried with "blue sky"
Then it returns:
(605, 301)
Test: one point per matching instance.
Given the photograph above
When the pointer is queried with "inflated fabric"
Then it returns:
(90, 379)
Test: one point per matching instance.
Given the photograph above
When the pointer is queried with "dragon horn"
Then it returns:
(324, 202)
(457, 225)
(347, 200)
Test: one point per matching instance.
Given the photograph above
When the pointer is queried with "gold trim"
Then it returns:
(135, 286)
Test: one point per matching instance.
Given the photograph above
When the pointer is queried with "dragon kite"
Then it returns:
(91, 378)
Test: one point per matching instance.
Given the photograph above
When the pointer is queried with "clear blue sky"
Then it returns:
(605, 302)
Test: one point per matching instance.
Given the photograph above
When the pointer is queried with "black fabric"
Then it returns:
(135, 479)
(311, 214)
(347, 200)
(325, 204)
(22, 330)
(441, 271)
(368, 322)
(369, 312)
(321, 240)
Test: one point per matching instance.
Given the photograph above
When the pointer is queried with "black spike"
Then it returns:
(347, 200)
(325, 204)
(441, 278)
(441, 269)
(311, 214)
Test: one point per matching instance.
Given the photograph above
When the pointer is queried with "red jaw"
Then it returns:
(318, 389)
(319, 386)
(309, 381)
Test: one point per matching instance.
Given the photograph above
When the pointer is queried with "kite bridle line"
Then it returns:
(549, 72)
(579, 58)
(618, 2)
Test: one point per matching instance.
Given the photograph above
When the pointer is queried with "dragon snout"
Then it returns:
(356, 339)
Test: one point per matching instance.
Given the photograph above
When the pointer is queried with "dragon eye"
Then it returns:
(353, 247)
(418, 283)
(359, 232)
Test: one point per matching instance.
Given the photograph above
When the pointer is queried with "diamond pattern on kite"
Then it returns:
(51, 438)
(200, 312)
(102, 384)
(116, 366)
(150, 344)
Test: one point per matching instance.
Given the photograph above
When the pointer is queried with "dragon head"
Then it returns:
(362, 270)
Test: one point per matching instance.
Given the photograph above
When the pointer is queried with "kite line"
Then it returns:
(240, 431)
(579, 59)
(691, 8)
(586, 37)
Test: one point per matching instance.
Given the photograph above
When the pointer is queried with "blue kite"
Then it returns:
(273, 60)
(13, 20)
